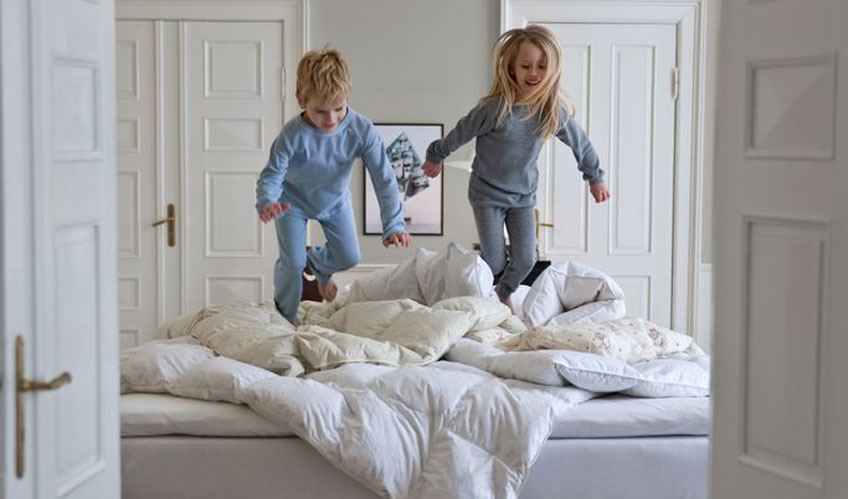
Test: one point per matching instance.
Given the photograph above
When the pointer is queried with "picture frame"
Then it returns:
(423, 198)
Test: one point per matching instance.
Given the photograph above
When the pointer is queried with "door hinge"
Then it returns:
(675, 83)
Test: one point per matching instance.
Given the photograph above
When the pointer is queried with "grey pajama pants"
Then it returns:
(521, 227)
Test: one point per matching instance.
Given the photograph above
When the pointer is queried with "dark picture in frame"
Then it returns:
(422, 196)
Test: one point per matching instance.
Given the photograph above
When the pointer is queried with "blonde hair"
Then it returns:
(323, 75)
(547, 100)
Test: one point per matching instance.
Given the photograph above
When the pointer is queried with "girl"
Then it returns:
(523, 109)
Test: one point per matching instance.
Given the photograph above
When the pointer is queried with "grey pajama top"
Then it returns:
(504, 171)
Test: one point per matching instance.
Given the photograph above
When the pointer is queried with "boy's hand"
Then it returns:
(271, 211)
(401, 238)
(431, 169)
(599, 191)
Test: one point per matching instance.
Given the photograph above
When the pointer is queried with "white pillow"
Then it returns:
(430, 272)
(571, 293)
(467, 274)
(535, 367)
(702, 360)
(541, 302)
(427, 278)
(150, 367)
(540, 367)
(178, 326)
(596, 373)
(630, 339)
(237, 326)
(452, 272)
(218, 379)
(671, 378)
(547, 367)
(657, 378)
(518, 298)
(396, 282)
(486, 314)
(598, 311)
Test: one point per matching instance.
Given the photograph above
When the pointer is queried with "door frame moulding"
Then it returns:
(689, 17)
(292, 14)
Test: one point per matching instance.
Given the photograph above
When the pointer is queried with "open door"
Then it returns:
(58, 287)
(781, 241)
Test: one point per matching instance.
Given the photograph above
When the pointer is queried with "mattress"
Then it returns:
(189, 467)
(611, 416)
(608, 447)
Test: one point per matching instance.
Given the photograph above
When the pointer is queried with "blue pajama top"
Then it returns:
(310, 169)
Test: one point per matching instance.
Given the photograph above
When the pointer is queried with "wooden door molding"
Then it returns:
(689, 17)
(293, 15)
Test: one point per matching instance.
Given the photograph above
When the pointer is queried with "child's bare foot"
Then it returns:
(328, 291)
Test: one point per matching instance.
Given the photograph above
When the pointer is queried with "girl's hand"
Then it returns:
(271, 211)
(599, 191)
(398, 238)
(431, 169)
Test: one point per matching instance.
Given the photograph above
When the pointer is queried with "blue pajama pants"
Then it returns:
(341, 252)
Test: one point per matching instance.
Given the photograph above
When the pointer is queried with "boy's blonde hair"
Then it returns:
(323, 75)
(547, 99)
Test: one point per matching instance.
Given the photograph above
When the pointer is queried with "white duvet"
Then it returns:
(364, 385)
(425, 429)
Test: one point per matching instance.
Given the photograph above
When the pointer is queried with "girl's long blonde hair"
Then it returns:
(547, 99)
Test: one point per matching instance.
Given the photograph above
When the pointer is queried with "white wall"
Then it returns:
(428, 62)
(418, 62)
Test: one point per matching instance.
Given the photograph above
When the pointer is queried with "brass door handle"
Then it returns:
(171, 220)
(22, 386)
(539, 225)
(27, 385)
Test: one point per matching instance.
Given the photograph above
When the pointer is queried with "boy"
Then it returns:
(307, 178)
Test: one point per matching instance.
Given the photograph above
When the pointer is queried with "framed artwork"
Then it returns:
(422, 196)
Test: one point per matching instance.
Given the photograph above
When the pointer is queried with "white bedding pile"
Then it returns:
(682, 374)
(428, 277)
(362, 382)
(442, 430)
(570, 293)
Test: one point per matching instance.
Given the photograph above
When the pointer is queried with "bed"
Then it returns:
(609, 447)
(420, 385)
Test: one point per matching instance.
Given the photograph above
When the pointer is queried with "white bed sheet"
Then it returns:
(256, 468)
(154, 414)
(144, 414)
(623, 416)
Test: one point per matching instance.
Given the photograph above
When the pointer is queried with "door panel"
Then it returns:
(620, 79)
(780, 246)
(234, 110)
(199, 104)
(76, 429)
(138, 206)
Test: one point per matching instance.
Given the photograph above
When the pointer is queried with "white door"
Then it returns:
(66, 192)
(199, 104)
(140, 199)
(233, 111)
(781, 243)
(621, 78)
